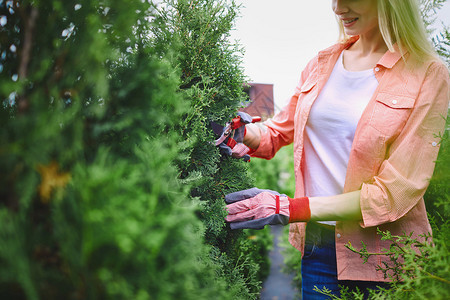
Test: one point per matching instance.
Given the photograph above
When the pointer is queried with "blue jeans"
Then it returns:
(319, 266)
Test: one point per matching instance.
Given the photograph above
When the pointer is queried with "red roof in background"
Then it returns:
(261, 97)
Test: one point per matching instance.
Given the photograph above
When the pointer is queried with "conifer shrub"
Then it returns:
(106, 160)
(212, 84)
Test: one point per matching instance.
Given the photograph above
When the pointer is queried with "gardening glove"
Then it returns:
(231, 142)
(254, 208)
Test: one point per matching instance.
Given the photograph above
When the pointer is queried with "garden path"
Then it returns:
(278, 285)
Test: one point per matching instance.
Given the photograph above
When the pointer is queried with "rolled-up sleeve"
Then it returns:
(278, 131)
(404, 175)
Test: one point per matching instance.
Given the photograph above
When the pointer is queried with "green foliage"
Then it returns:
(428, 9)
(105, 157)
(212, 83)
(418, 268)
(441, 40)
(437, 197)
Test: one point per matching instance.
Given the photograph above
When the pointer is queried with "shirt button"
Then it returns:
(434, 144)
(338, 235)
(394, 102)
(377, 69)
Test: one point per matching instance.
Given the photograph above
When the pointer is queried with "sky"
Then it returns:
(279, 39)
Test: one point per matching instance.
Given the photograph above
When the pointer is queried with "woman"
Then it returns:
(365, 120)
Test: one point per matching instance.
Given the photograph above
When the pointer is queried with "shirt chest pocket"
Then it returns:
(306, 93)
(390, 113)
(308, 85)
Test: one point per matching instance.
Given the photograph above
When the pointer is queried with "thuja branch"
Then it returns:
(29, 25)
(363, 252)
(434, 276)
(399, 250)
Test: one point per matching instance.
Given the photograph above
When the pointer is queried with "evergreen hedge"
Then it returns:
(110, 187)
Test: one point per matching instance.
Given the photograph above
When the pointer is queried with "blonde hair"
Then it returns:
(400, 23)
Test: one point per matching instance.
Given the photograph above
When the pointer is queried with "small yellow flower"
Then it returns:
(51, 179)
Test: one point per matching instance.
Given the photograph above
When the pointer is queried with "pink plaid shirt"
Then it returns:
(392, 157)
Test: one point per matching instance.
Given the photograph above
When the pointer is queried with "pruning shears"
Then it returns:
(227, 131)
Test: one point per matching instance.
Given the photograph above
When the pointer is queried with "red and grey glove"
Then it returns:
(255, 208)
(231, 142)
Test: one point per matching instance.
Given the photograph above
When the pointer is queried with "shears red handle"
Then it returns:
(237, 122)
(226, 131)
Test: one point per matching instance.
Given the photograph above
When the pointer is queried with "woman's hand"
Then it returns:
(255, 208)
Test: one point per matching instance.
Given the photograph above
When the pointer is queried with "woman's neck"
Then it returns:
(365, 52)
(369, 44)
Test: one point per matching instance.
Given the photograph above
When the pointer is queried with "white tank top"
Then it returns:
(331, 127)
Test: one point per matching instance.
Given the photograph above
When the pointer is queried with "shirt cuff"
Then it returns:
(374, 208)
(264, 149)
